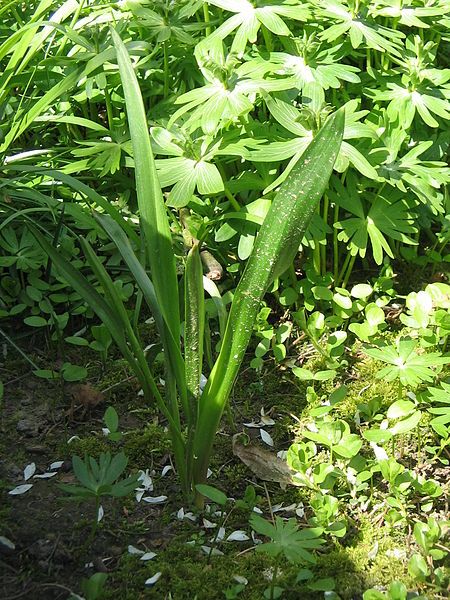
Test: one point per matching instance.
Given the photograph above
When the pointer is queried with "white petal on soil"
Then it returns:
(56, 465)
(134, 550)
(105, 431)
(214, 552)
(155, 499)
(300, 512)
(45, 475)
(277, 507)
(180, 514)
(139, 495)
(154, 579)
(266, 438)
(240, 579)
(238, 536)
(74, 437)
(268, 421)
(208, 473)
(208, 524)
(4, 541)
(282, 454)
(253, 424)
(29, 471)
(140, 393)
(380, 453)
(220, 534)
(21, 489)
(148, 556)
(371, 555)
(256, 541)
(145, 481)
(166, 469)
(100, 514)
(257, 510)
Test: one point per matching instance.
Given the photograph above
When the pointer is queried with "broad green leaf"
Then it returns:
(275, 247)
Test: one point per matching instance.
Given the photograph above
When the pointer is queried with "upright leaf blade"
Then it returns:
(276, 245)
(154, 222)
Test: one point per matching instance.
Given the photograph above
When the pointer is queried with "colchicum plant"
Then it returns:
(193, 416)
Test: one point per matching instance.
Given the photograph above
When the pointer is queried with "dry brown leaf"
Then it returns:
(264, 464)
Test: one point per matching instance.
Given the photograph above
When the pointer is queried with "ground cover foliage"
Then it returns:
(329, 474)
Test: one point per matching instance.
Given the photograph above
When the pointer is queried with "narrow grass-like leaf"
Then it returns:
(152, 209)
(171, 346)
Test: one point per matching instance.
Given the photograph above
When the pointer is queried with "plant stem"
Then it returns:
(166, 69)
(349, 270)
(323, 248)
(274, 579)
(344, 268)
(206, 17)
(335, 244)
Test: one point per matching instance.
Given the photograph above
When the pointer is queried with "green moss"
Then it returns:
(141, 446)
(188, 574)
(353, 570)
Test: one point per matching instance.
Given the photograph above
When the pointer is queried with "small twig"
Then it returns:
(18, 378)
(269, 503)
(114, 385)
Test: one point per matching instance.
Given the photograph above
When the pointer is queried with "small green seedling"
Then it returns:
(288, 542)
(93, 587)
(111, 419)
(99, 479)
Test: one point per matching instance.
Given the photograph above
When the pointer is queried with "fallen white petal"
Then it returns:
(148, 556)
(214, 552)
(268, 421)
(180, 514)
(166, 469)
(56, 465)
(105, 431)
(140, 393)
(134, 550)
(21, 489)
(238, 536)
(100, 514)
(139, 495)
(154, 499)
(266, 438)
(208, 473)
(240, 579)
(253, 424)
(220, 534)
(45, 475)
(282, 454)
(208, 524)
(145, 480)
(371, 555)
(380, 453)
(29, 471)
(257, 510)
(154, 579)
(73, 438)
(4, 541)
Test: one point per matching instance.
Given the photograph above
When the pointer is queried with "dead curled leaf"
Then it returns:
(264, 464)
(84, 397)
